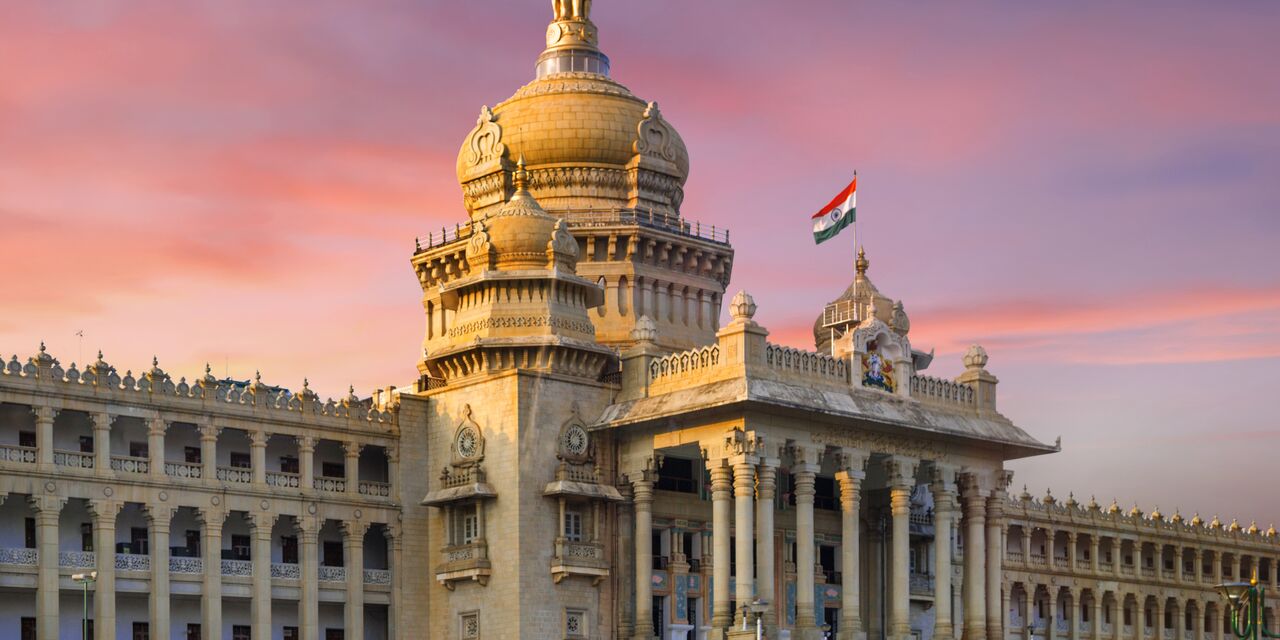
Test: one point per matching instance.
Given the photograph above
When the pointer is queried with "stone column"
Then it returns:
(1197, 621)
(155, 450)
(1027, 530)
(352, 466)
(721, 490)
(1028, 596)
(663, 303)
(975, 612)
(1219, 621)
(744, 495)
(1117, 556)
(646, 299)
(1072, 539)
(944, 495)
(395, 546)
(901, 473)
(626, 562)
(44, 440)
(1196, 566)
(1093, 552)
(804, 469)
(1097, 616)
(159, 517)
(209, 453)
(102, 449)
(353, 546)
(308, 530)
(393, 471)
(1157, 618)
(306, 464)
(1051, 625)
(1217, 567)
(260, 524)
(995, 555)
(642, 498)
(851, 463)
(211, 546)
(104, 544)
(1072, 612)
(258, 442)
(766, 485)
(47, 509)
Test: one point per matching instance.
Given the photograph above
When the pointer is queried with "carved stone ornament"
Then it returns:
(655, 138)
(480, 248)
(467, 448)
(574, 444)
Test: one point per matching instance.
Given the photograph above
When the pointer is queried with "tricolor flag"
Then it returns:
(838, 214)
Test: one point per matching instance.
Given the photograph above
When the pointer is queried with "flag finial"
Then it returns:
(862, 263)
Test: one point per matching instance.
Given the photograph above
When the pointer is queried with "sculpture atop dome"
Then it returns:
(571, 9)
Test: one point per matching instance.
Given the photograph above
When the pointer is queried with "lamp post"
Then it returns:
(85, 579)
(1245, 601)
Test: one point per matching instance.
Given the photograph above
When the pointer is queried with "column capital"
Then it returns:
(259, 437)
(805, 456)
(306, 444)
(353, 448)
(209, 432)
(392, 532)
(307, 527)
(44, 413)
(851, 462)
(261, 522)
(901, 471)
(353, 530)
(102, 419)
(159, 516)
(942, 477)
(105, 510)
(157, 426)
(43, 505)
(212, 517)
(971, 486)
(644, 469)
(393, 453)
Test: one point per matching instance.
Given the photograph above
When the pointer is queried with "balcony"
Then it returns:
(238, 475)
(920, 523)
(242, 568)
(1148, 572)
(333, 574)
(186, 565)
(73, 459)
(285, 571)
(184, 470)
(920, 584)
(379, 577)
(127, 464)
(580, 558)
(283, 480)
(23, 455)
(332, 485)
(21, 557)
(133, 562)
(1039, 560)
(1061, 563)
(464, 562)
(1014, 557)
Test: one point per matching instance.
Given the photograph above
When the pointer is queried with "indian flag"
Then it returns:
(838, 214)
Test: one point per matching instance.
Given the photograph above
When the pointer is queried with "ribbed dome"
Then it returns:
(588, 142)
(520, 230)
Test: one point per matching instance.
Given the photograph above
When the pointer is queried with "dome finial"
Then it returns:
(862, 263)
(521, 177)
(571, 9)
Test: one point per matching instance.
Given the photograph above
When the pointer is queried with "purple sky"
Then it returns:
(1087, 189)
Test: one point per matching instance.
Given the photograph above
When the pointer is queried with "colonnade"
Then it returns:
(743, 485)
(159, 516)
(1090, 612)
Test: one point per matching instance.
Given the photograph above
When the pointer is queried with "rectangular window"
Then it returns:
(141, 631)
(1084, 612)
(191, 455)
(1146, 617)
(1106, 615)
(333, 470)
(678, 474)
(470, 527)
(659, 616)
(239, 547)
(333, 554)
(573, 526)
(1128, 618)
(469, 625)
(193, 631)
(333, 634)
(28, 629)
(27, 439)
(86, 536)
(290, 633)
(825, 495)
(289, 549)
(29, 532)
(575, 624)
(241, 632)
(138, 449)
(655, 549)
(138, 541)
(86, 444)
(240, 460)
(193, 543)
(289, 464)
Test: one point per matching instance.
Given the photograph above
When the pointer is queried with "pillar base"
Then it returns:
(862, 635)
(812, 633)
(738, 634)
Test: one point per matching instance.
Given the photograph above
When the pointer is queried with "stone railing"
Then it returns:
(77, 559)
(237, 568)
(920, 584)
(377, 576)
(1014, 556)
(806, 363)
(235, 474)
(27, 557)
(12, 453)
(1061, 563)
(458, 477)
(182, 470)
(937, 390)
(1039, 560)
(128, 464)
(133, 562)
(186, 565)
(375, 489)
(283, 480)
(335, 485)
(100, 382)
(333, 574)
(684, 362)
(577, 472)
(1148, 572)
(286, 571)
(74, 459)
(568, 550)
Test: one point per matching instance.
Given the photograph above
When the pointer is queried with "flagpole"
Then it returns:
(856, 311)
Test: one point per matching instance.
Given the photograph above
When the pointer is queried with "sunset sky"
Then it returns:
(1091, 190)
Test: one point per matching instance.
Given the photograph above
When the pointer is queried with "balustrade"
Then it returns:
(377, 576)
(333, 574)
(128, 464)
(285, 571)
(920, 584)
(186, 565)
(73, 459)
(77, 559)
(133, 562)
(1061, 563)
(375, 489)
(12, 453)
(336, 485)
(27, 557)
(283, 480)
(235, 474)
(237, 568)
(182, 470)
(1014, 556)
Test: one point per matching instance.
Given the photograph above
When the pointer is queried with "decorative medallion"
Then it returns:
(265, 505)
(311, 508)
(468, 441)
(50, 487)
(215, 501)
(108, 491)
(164, 495)
(358, 514)
(574, 440)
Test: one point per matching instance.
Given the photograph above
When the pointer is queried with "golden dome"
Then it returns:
(520, 235)
(589, 143)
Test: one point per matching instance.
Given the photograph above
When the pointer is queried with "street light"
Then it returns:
(758, 607)
(85, 579)
(1244, 603)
